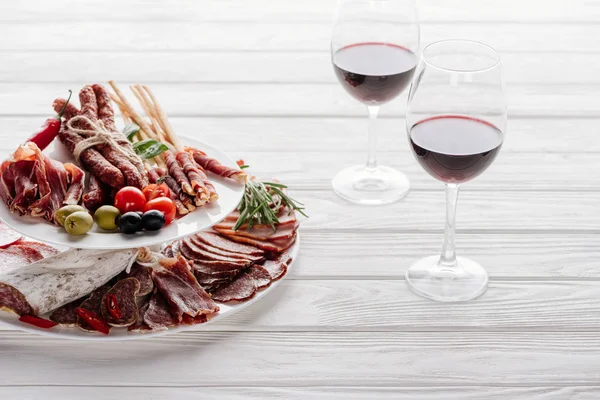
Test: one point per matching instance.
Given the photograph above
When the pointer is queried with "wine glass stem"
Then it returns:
(371, 165)
(448, 257)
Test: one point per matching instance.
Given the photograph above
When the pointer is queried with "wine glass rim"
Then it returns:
(493, 64)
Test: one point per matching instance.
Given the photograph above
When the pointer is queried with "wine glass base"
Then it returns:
(428, 279)
(383, 185)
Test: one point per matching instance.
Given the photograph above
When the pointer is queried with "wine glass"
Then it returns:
(456, 121)
(373, 52)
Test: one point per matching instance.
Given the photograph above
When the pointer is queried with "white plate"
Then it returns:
(117, 334)
(230, 194)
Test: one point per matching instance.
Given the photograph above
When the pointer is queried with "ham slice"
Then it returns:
(144, 276)
(215, 250)
(176, 282)
(241, 289)
(277, 268)
(158, 315)
(275, 246)
(261, 276)
(222, 243)
(193, 252)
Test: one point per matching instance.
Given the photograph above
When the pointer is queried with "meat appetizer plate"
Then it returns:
(230, 193)
(10, 320)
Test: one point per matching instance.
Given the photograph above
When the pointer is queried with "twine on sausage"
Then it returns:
(97, 135)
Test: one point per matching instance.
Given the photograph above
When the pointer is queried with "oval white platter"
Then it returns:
(230, 194)
(117, 334)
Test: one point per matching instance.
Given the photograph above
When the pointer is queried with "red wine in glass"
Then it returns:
(374, 73)
(455, 148)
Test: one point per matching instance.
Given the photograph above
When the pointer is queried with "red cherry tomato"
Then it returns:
(153, 190)
(130, 198)
(164, 205)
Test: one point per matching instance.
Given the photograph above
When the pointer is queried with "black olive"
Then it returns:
(153, 220)
(130, 222)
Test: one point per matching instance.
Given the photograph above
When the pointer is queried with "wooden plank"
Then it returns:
(331, 136)
(302, 393)
(307, 10)
(334, 255)
(221, 99)
(412, 359)
(259, 67)
(514, 212)
(126, 36)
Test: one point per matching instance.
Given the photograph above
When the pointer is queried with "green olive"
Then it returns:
(65, 211)
(79, 223)
(106, 217)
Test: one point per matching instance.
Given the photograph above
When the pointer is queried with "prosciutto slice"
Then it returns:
(76, 185)
(262, 232)
(176, 282)
(213, 239)
(214, 166)
(52, 179)
(225, 253)
(198, 179)
(273, 246)
(176, 171)
(18, 186)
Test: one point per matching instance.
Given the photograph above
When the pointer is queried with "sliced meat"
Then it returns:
(222, 243)
(261, 276)
(196, 178)
(241, 289)
(216, 250)
(93, 304)
(259, 233)
(76, 184)
(66, 315)
(8, 236)
(158, 316)
(140, 325)
(214, 166)
(154, 176)
(144, 276)
(176, 282)
(277, 268)
(168, 252)
(53, 180)
(44, 249)
(12, 300)
(19, 186)
(275, 246)
(216, 267)
(198, 319)
(118, 306)
(28, 254)
(193, 252)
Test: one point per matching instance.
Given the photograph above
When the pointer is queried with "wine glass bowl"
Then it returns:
(373, 51)
(456, 121)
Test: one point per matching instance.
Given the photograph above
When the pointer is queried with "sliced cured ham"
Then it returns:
(214, 166)
(193, 252)
(262, 232)
(241, 289)
(176, 171)
(197, 179)
(175, 280)
(76, 185)
(158, 316)
(217, 267)
(144, 276)
(215, 250)
(277, 268)
(140, 325)
(213, 239)
(275, 246)
(261, 276)
(18, 186)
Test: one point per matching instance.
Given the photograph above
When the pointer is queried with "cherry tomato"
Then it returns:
(129, 199)
(153, 190)
(164, 205)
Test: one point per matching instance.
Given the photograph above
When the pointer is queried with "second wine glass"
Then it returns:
(373, 51)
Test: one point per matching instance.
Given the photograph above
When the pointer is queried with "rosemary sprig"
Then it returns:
(261, 203)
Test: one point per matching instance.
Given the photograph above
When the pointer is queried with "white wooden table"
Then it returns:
(254, 78)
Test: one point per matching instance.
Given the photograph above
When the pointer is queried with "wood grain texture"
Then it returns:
(298, 100)
(276, 36)
(302, 393)
(245, 67)
(307, 10)
(415, 359)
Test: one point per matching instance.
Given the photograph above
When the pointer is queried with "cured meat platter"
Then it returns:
(117, 233)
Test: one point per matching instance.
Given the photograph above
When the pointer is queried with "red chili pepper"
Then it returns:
(43, 137)
(113, 306)
(36, 321)
(93, 320)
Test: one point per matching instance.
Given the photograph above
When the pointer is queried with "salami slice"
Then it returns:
(44, 249)
(93, 304)
(118, 306)
(241, 289)
(12, 300)
(8, 236)
(144, 276)
(261, 276)
(29, 254)
(66, 314)
(158, 316)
